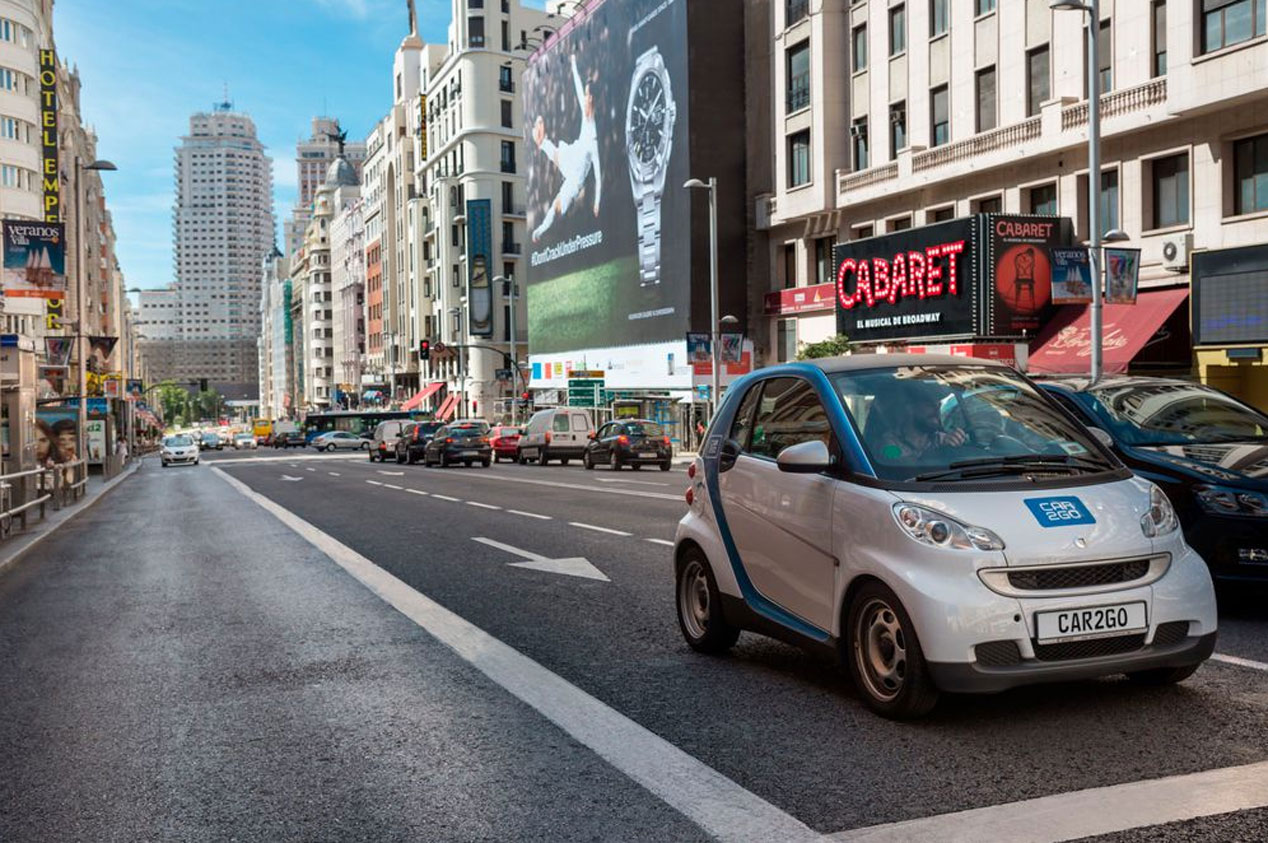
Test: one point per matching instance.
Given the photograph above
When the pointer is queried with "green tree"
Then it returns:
(173, 400)
(206, 404)
(833, 346)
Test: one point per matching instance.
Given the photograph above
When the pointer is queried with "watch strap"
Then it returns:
(649, 237)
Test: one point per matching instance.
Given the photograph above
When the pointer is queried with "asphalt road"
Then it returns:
(185, 648)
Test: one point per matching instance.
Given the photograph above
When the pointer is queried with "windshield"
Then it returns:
(178, 442)
(1175, 414)
(921, 423)
(648, 429)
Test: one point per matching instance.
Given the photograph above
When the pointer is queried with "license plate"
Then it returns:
(469, 454)
(1091, 622)
(648, 455)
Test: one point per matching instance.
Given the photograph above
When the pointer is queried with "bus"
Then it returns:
(353, 421)
(262, 430)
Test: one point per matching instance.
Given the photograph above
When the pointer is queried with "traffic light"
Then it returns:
(424, 349)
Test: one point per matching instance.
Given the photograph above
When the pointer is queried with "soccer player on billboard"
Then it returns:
(575, 161)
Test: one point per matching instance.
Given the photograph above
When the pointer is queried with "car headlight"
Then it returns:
(1222, 500)
(1161, 517)
(928, 526)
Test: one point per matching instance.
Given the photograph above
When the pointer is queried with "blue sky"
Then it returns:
(146, 65)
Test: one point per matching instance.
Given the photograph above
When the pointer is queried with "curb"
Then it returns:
(20, 545)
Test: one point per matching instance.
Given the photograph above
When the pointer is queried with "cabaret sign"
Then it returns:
(927, 273)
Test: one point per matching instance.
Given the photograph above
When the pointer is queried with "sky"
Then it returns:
(147, 65)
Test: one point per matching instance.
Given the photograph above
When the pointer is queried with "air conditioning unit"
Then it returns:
(1175, 252)
(762, 212)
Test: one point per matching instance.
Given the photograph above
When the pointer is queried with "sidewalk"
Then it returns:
(12, 548)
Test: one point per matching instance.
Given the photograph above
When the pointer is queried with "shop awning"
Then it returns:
(448, 407)
(1065, 345)
(422, 395)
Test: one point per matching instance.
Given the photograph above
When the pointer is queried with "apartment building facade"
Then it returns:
(313, 156)
(347, 282)
(938, 109)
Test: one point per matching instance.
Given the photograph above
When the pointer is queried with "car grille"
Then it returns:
(1078, 576)
(997, 653)
(1066, 650)
(1170, 633)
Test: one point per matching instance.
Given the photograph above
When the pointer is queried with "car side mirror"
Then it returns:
(1101, 436)
(728, 454)
(804, 458)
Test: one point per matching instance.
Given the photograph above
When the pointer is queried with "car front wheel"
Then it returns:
(885, 659)
(587, 461)
(700, 607)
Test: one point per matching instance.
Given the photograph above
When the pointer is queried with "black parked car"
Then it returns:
(634, 442)
(412, 441)
(1205, 449)
(210, 440)
(466, 442)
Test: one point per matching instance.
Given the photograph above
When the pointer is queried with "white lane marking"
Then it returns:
(502, 477)
(446, 498)
(417, 492)
(391, 486)
(292, 461)
(310, 469)
(392, 473)
(290, 479)
(706, 797)
(665, 542)
(334, 474)
(599, 529)
(1240, 662)
(1087, 813)
(482, 505)
(637, 482)
(572, 566)
(529, 514)
(374, 483)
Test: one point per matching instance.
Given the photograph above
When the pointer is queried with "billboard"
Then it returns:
(56, 435)
(1071, 276)
(607, 153)
(35, 260)
(1019, 269)
(479, 262)
(1230, 298)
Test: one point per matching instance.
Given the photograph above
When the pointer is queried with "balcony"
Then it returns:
(508, 166)
(510, 247)
(514, 211)
(1116, 103)
(1013, 135)
(798, 92)
(506, 85)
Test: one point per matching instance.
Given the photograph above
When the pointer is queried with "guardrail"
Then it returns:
(59, 485)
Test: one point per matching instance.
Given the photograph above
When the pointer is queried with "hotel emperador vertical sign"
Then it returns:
(50, 174)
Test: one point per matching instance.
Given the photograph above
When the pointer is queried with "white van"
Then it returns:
(940, 525)
(560, 434)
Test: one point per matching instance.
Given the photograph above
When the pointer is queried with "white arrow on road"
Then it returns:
(392, 473)
(291, 479)
(576, 566)
(636, 482)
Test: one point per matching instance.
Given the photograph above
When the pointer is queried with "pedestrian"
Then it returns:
(121, 448)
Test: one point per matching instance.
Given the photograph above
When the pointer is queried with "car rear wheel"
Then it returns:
(587, 461)
(664, 466)
(1163, 675)
(520, 458)
(400, 458)
(885, 659)
(700, 607)
(444, 460)
(638, 466)
(485, 463)
(542, 457)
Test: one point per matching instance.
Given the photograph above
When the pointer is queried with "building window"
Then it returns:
(985, 99)
(939, 17)
(505, 83)
(508, 237)
(1170, 182)
(940, 108)
(863, 232)
(506, 113)
(823, 259)
(799, 159)
(897, 129)
(1037, 79)
(795, 10)
(990, 205)
(506, 36)
(900, 224)
(858, 137)
(859, 39)
(508, 197)
(981, 7)
(799, 76)
(1160, 38)
(897, 30)
(475, 31)
(1104, 57)
(1250, 175)
(508, 156)
(790, 265)
(1043, 200)
(475, 4)
(1229, 22)
(943, 214)
(1109, 200)
(787, 340)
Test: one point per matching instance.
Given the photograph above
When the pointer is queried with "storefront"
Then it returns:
(799, 316)
(1230, 321)
(1150, 337)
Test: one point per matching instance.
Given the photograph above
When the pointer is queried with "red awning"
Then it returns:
(448, 407)
(422, 395)
(1065, 345)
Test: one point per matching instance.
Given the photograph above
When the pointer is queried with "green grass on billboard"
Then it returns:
(590, 309)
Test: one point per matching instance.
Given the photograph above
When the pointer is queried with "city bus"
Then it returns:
(262, 430)
(360, 423)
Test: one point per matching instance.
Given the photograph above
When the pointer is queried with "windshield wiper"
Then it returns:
(1016, 464)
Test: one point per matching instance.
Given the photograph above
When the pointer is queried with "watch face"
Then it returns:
(647, 118)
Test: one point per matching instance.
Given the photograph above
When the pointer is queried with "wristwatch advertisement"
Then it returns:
(649, 135)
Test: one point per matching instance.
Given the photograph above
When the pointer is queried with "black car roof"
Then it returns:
(1079, 383)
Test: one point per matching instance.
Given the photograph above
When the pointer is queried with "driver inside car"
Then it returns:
(919, 430)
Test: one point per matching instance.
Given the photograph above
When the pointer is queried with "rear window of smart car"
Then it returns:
(648, 429)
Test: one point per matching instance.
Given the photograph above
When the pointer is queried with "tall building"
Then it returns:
(946, 108)
(347, 282)
(313, 158)
(223, 229)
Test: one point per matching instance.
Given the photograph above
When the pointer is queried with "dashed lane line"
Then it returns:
(722, 808)
(391, 486)
(1240, 662)
(599, 529)
(483, 505)
(374, 483)
(310, 469)
(665, 542)
(334, 474)
(446, 498)
(417, 492)
(529, 514)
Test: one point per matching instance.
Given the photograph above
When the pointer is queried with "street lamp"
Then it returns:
(1092, 10)
(510, 288)
(80, 283)
(712, 187)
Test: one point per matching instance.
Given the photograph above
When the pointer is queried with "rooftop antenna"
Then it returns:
(225, 104)
(413, 18)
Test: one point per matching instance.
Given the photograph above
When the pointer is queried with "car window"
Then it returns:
(743, 424)
(560, 424)
(789, 413)
(1176, 414)
(649, 429)
(580, 422)
(178, 441)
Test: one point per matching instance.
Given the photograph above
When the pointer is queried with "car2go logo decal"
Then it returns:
(1059, 512)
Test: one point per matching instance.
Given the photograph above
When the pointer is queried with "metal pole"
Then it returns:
(80, 323)
(1094, 181)
(515, 366)
(713, 291)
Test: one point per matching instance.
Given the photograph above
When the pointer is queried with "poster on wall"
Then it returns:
(1122, 275)
(34, 259)
(1019, 254)
(698, 348)
(606, 142)
(479, 262)
(56, 435)
(96, 439)
(1071, 277)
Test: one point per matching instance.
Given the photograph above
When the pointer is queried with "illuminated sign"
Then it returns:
(913, 273)
(48, 136)
(422, 127)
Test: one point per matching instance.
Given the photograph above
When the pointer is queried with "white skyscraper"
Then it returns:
(223, 228)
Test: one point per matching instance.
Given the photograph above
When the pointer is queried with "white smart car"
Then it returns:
(939, 524)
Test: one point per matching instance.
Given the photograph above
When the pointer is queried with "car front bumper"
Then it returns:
(186, 459)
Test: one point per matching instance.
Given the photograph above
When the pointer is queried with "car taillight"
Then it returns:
(691, 471)
(623, 440)
(665, 439)
(548, 437)
(691, 496)
(448, 440)
(484, 440)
